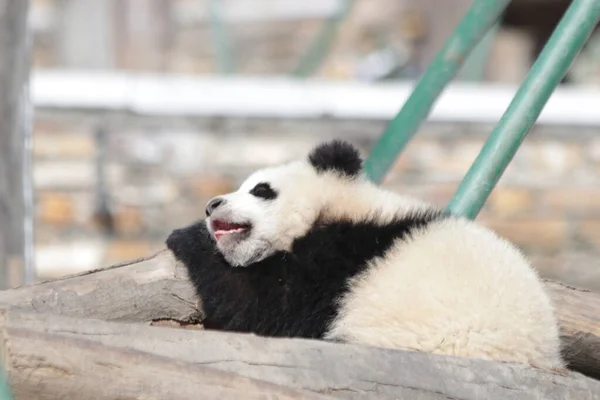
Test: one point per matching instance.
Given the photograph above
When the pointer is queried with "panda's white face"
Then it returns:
(278, 205)
(271, 208)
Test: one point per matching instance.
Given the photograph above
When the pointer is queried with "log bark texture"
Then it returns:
(46, 353)
(44, 366)
(156, 288)
(148, 289)
(578, 312)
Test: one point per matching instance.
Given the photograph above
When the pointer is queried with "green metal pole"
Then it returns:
(551, 66)
(478, 20)
(5, 393)
(221, 42)
(473, 68)
(319, 47)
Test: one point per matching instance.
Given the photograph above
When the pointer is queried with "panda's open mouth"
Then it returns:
(223, 228)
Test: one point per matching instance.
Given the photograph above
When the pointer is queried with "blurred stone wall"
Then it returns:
(160, 172)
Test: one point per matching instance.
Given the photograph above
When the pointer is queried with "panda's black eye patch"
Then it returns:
(264, 191)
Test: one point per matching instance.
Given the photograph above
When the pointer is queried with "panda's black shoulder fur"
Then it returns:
(338, 156)
(289, 294)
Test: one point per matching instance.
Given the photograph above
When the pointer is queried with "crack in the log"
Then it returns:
(514, 389)
(34, 306)
(181, 299)
(193, 322)
(44, 368)
(108, 365)
(578, 289)
(76, 333)
(343, 389)
(333, 389)
(418, 389)
(254, 364)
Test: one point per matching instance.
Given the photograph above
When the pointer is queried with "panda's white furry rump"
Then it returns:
(312, 249)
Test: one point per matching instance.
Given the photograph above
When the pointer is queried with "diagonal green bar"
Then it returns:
(221, 41)
(5, 393)
(320, 46)
(473, 68)
(551, 66)
(477, 22)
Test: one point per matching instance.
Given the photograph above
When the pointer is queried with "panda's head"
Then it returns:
(274, 206)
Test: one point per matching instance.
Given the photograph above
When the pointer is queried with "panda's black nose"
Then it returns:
(213, 205)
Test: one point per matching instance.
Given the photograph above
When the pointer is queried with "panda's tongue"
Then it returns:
(222, 228)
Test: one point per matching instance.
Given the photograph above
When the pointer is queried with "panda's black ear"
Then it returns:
(338, 156)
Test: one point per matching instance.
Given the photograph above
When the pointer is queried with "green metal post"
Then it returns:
(319, 47)
(473, 68)
(551, 66)
(477, 22)
(221, 42)
(5, 393)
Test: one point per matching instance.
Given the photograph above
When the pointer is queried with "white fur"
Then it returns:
(454, 288)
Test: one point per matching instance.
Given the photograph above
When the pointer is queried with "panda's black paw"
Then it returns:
(191, 243)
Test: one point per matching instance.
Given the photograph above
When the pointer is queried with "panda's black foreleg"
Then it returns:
(223, 290)
(191, 244)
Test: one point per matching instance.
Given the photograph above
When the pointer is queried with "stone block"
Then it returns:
(402, 164)
(572, 201)
(589, 231)
(531, 233)
(55, 208)
(128, 220)
(148, 194)
(440, 194)
(462, 155)
(127, 250)
(68, 257)
(549, 266)
(556, 157)
(507, 201)
(510, 58)
(63, 174)
(581, 269)
(207, 187)
(64, 145)
(425, 154)
(593, 151)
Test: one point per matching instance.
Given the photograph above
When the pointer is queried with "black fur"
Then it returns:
(336, 156)
(264, 191)
(289, 294)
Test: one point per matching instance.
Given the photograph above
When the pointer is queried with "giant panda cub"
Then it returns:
(313, 249)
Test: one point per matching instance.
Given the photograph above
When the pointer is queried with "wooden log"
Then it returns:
(45, 366)
(156, 288)
(342, 371)
(148, 289)
(578, 312)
